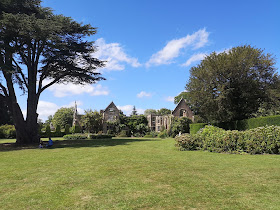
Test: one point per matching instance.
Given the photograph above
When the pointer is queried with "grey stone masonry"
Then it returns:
(160, 122)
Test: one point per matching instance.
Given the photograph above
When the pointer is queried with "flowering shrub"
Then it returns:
(263, 140)
(255, 141)
(188, 142)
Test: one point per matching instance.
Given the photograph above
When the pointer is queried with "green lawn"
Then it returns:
(135, 174)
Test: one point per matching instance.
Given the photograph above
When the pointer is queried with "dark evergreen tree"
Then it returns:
(53, 50)
(134, 111)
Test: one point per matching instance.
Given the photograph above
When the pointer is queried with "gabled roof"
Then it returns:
(180, 102)
(111, 105)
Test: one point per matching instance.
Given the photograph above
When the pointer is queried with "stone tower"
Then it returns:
(75, 116)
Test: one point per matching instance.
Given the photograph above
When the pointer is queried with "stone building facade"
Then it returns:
(110, 115)
(159, 122)
(156, 122)
(183, 110)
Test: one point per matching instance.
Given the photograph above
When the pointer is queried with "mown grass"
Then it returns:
(135, 174)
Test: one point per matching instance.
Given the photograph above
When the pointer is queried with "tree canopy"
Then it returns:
(182, 95)
(63, 116)
(234, 84)
(162, 111)
(92, 121)
(38, 49)
(150, 111)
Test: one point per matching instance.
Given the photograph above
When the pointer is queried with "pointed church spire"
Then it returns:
(75, 115)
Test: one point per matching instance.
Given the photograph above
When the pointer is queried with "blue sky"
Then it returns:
(150, 46)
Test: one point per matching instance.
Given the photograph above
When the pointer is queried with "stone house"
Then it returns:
(110, 115)
(183, 110)
(156, 122)
(159, 122)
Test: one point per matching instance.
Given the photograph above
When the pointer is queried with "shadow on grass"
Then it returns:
(73, 144)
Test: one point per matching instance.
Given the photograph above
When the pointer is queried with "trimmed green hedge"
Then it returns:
(76, 136)
(263, 121)
(240, 125)
(99, 136)
(194, 128)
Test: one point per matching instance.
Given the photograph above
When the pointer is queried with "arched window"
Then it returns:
(182, 112)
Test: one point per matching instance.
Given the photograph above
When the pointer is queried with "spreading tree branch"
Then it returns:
(19, 69)
(4, 89)
(41, 89)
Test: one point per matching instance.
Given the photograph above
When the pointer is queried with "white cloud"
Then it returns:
(62, 90)
(144, 94)
(127, 109)
(46, 108)
(200, 56)
(169, 99)
(173, 47)
(72, 104)
(194, 58)
(115, 56)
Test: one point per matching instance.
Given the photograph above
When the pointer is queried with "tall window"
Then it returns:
(182, 112)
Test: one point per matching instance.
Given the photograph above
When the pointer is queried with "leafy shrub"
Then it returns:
(255, 141)
(194, 128)
(48, 131)
(263, 140)
(76, 136)
(76, 129)
(138, 135)
(58, 131)
(123, 133)
(151, 134)
(154, 134)
(109, 132)
(187, 142)
(67, 129)
(163, 134)
(180, 125)
(99, 136)
(7, 131)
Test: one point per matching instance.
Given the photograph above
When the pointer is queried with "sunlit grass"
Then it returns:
(135, 173)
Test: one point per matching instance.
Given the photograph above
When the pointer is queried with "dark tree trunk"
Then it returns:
(26, 130)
